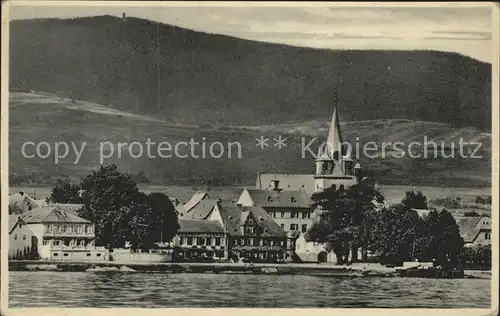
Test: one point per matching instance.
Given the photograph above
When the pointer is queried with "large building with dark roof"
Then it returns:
(233, 232)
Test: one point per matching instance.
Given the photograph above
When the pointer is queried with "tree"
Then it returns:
(414, 200)
(65, 192)
(109, 202)
(121, 213)
(342, 221)
(443, 241)
(397, 234)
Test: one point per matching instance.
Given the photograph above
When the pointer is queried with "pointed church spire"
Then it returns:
(334, 139)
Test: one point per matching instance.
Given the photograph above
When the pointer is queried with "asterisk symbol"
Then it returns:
(262, 142)
(279, 142)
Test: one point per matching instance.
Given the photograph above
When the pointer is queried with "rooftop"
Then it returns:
(51, 214)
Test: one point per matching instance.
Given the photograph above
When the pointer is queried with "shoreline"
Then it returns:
(311, 269)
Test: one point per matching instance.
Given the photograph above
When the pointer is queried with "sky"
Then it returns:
(465, 30)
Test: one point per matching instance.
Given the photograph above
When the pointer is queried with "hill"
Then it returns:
(43, 117)
(216, 79)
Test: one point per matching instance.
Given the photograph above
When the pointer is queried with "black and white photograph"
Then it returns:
(160, 155)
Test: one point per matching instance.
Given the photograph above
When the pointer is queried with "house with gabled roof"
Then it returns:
(22, 241)
(234, 232)
(59, 233)
(252, 234)
(21, 202)
(475, 230)
(197, 239)
(291, 210)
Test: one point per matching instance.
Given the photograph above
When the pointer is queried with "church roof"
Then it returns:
(287, 182)
(334, 139)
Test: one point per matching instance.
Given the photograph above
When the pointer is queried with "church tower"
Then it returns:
(334, 165)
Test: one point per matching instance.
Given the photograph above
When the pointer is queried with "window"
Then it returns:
(56, 254)
(304, 228)
(294, 227)
(293, 215)
(82, 242)
(217, 241)
(65, 255)
(487, 236)
(24, 237)
(282, 226)
(189, 241)
(45, 242)
(88, 255)
(235, 242)
(15, 237)
(242, 242)
(282, 214)
(55, 242)
(274, 214)
(200, 241)
(271, 243)
(250, 241)
(98, 254)
(266, 242)
(46, 229)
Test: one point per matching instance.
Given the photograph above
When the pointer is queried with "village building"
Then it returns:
(23, 244)
(60, 234)
(252, 234)
(21, 202)
(291, 210)
(200, 239)
(231, 232)
(476, 231)
(198, 206)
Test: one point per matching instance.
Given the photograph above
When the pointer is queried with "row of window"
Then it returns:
(487, 236)
(202, 241)
(78, 229)
(295, 227)
(290, 214)
(65, 254)
(72, 242)
(257, 242)
(15, 237)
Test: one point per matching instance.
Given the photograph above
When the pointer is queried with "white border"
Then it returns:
(245, 311)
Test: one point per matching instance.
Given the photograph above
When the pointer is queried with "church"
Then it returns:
(334, 167)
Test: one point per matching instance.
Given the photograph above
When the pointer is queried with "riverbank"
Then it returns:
(312, 269)
(195, 267)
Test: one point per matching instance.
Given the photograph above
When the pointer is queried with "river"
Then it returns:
(125, 289)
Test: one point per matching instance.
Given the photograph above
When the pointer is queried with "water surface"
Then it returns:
(141, 290)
